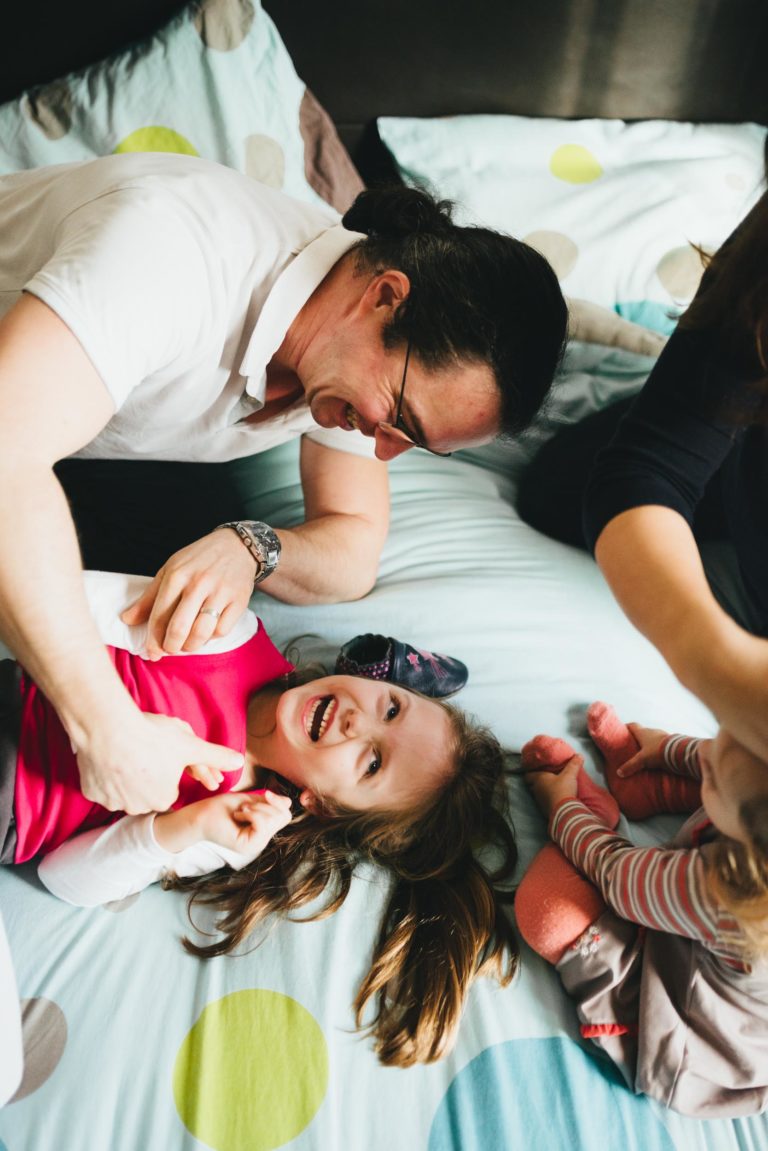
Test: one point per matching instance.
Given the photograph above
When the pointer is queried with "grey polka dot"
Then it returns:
(556, 247)
(44, 1037)
(50, 109)
(265, 160)
(224, 24)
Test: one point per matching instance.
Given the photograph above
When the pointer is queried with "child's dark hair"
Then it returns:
(476, 294)
(738, 875)
(445, 920)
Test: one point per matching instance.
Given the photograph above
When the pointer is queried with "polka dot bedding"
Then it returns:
(130, 1043)
(134, 1045)
(615, 206)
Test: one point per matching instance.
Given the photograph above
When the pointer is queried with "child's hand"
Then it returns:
(245, 821)
(649, 757)
(551, 788)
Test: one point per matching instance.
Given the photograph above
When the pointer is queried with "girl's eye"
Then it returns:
(373, 766)
(394, 708)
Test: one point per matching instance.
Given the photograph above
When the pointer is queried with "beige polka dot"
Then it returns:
(679, 271)
(556, 247)
(50, 109)
(224, 24)
(265, 160)
(44, 1037)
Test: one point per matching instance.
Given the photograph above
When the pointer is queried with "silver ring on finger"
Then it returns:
(209, 611)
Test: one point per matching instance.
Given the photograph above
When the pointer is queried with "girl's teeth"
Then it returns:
(352, 417)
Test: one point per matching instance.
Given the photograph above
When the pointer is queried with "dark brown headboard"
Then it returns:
(680, 59)
(635, 59)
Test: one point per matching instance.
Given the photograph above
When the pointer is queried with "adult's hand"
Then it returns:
(137, 768)
(199, 593)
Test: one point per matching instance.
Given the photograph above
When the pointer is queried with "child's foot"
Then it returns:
(610, 734)
(545, 753)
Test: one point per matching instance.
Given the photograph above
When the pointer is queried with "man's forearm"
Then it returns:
(44, 616)
(329, 560)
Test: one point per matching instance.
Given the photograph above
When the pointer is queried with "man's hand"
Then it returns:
(138, 768)
(199, 593)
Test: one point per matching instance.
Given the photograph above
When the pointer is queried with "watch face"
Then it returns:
(265, 546)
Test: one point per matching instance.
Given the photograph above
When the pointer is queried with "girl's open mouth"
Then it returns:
(319, 716)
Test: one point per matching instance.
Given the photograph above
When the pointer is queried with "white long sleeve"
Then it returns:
(110, 863)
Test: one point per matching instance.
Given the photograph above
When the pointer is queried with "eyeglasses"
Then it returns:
(399, 428)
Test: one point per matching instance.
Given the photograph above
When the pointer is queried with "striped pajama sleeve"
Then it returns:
(661, 888)
(681, 755)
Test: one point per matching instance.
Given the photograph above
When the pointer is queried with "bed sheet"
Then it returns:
(133, 1045)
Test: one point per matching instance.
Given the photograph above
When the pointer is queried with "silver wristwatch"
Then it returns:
(261, 542)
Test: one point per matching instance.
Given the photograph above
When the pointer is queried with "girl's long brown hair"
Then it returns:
(445, 920)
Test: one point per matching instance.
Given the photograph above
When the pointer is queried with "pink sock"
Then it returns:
(647, 792)
(545, 753)
(555, 904)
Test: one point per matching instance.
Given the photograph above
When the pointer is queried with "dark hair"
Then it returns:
(476, 294)
(445, 921)
(732, 305)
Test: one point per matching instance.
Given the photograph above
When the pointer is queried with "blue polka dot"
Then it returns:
(535, 1093)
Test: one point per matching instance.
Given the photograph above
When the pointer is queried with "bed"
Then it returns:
(615, 116)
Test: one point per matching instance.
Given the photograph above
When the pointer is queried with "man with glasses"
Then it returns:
(163, 320)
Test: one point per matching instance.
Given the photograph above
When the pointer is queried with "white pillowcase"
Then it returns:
(614, 206)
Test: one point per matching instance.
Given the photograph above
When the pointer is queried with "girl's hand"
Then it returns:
(550, 788)
(242, 821)
(649, 756)
(245, 821)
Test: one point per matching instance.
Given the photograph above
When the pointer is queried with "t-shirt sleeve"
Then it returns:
(673, 438)
(130, 279)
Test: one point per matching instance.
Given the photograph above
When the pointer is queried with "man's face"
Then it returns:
(453, 407)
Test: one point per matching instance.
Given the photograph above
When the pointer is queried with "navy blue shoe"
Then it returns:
(382, 657)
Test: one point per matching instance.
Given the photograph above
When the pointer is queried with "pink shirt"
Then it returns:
(210, 692)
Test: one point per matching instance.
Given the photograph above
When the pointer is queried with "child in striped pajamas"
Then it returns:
(664, 949)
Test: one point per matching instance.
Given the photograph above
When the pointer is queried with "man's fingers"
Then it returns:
(216, 756)
(210, 777)
(139, 611)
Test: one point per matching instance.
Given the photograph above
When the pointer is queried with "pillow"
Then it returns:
(217, 81)
(614, 206)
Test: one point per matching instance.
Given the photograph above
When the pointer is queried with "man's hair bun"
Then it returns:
(398, 212)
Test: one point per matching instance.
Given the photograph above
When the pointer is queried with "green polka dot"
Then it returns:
(156, 138)
(575, 164)
(251, 1073)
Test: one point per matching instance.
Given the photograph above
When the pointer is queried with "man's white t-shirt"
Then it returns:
(180, 278)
